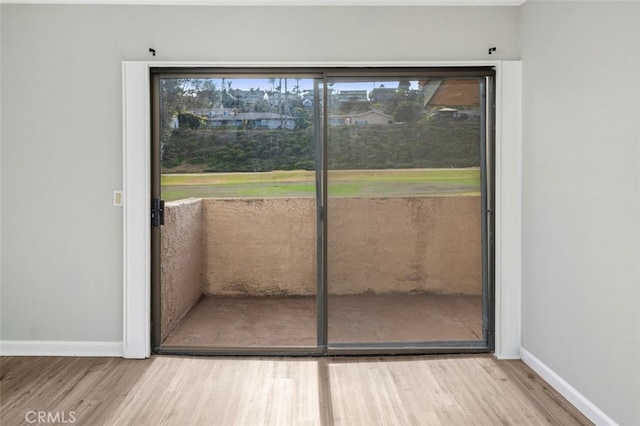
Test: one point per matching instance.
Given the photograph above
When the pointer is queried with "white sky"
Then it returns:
(305, 84)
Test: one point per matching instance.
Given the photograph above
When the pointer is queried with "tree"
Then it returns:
(404, 86)
(187, 120)
(208, 96)
(408, 112)
(172, 101)
(302, 118)
(354, 107)
(296, 88)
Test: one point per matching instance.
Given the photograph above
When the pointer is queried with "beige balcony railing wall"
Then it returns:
(405, 245)
(182, 264)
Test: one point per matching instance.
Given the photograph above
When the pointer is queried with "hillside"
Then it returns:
(427, 144)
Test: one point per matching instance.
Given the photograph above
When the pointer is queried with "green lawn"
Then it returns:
(342, 183)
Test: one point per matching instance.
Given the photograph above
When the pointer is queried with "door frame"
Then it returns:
(136, 199)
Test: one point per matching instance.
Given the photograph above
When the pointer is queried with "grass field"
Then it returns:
(342, 183)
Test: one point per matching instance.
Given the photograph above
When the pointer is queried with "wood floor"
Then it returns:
(167, 390)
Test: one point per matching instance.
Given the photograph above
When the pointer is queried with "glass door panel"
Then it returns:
(405, 223)
(238, 247)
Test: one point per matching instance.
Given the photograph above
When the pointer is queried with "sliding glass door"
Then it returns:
(236, 169)
(406, 184)
(315, 211)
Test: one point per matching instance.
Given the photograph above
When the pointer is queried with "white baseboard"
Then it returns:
(585, 406)
(506, 354)
(59, 348)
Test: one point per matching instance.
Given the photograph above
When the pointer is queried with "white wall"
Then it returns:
(62, 128)
(581, 193)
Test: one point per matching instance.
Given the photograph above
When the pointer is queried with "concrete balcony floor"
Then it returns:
(219, 322)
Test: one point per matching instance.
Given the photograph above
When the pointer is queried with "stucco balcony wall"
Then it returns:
(377, 245)
(182, 261)
(260, 246)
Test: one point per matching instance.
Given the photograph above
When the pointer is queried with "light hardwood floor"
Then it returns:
(169, 390)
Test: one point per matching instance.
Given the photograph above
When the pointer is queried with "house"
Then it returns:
(351, 96)
(383, 94)
(248, 97)
(451, 93)
(446, 114)
(571, 283)
(452, 99)
(254, 120)
(361, 119)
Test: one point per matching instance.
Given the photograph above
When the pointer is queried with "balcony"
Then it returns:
(241, 272)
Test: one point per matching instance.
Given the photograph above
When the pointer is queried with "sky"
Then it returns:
(305, 84)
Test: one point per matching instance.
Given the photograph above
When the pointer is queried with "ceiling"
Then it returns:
(297, 2)
(284, 2)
